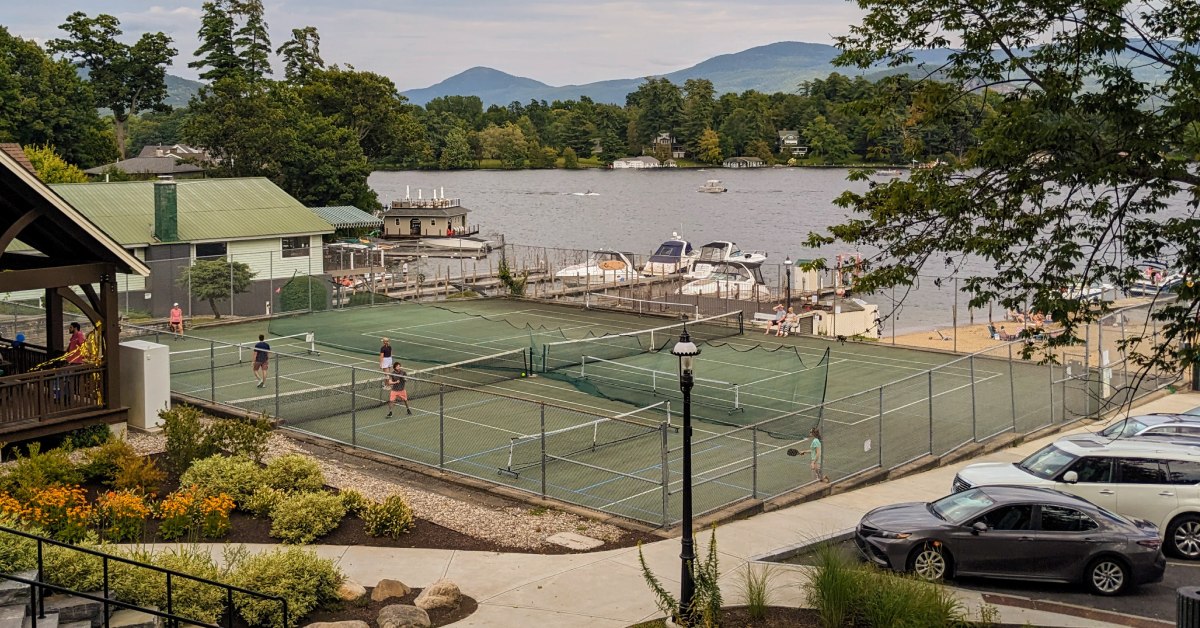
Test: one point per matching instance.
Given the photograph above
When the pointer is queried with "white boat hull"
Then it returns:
(742, 290)
(458, 244)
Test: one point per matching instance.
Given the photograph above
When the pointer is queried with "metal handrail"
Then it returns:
(40, 599)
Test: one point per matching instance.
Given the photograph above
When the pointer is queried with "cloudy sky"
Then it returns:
(420, 42)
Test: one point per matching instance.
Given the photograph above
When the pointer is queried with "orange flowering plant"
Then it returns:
(189, 507)
(121, 515)
(214, 515)
(63, 511)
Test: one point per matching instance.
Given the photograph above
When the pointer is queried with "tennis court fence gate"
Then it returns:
(932, 413)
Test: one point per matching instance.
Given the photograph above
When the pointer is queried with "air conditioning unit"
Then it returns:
(145, 382)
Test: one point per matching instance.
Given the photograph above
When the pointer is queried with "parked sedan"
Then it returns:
(1014, 532)
(1164, 425)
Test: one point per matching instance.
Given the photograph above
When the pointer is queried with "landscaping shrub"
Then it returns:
(36, 471)
(834, 588)
(294, 472)
(68, 568)
(90, 436)
(179, 512)
(101, 463)
(236, 477)
(298, 575)
(757, 590)
(214, 515)
(303, 293)
(263, 500)
(391, 517)
(304, 517)
(140, 475)
(356, 504)
(240, 437)
(17, 553)
(192, 599)
(706, 602)
(187, 440)
(135, 584)
(121, 515)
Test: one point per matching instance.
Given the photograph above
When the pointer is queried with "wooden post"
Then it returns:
(54, 321)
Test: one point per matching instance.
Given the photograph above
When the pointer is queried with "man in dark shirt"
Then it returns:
(262, 360)
(397, 379)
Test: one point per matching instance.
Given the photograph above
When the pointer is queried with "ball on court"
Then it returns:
(522, 373)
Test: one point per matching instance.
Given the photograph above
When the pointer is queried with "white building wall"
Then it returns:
(265, 258)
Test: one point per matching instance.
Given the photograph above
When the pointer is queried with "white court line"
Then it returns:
(913, 403)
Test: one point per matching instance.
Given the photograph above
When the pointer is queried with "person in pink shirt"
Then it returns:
(75, 345)
(175, 322)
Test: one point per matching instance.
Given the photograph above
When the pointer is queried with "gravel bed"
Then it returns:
(516, 527)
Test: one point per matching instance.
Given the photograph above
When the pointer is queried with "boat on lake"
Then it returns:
(730, 280)
(722, 251)
(713, 186)
(889, 173)
(1156, 278)
(605, 267)
(672, 257)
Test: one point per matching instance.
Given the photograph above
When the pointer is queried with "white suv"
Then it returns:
(1145, 479)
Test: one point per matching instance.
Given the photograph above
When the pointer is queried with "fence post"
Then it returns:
(663, 453)
(931, 412)
(1050, 368)
(212, 371)
(1087, 370)
(542, 428)
(278, 361)
(974, 414)
(879, 444)
(441, 426)
(754, 462)
(1012, 388)
(353, 406)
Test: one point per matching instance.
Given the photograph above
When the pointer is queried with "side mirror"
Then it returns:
(1070, 477)
(978, 527)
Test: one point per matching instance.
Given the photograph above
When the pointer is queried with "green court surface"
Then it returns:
(600, 387)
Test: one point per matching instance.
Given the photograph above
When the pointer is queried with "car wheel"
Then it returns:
(930, 562)
(1106, 576)
(1183, 537)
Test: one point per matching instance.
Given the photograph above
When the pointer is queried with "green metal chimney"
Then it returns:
(166, 210)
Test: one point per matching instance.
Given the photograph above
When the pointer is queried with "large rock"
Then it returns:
(351, 591)
(402, 616)
(388, 589)
(441, 594)
(339, 624)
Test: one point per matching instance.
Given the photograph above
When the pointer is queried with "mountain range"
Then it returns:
(778, 67)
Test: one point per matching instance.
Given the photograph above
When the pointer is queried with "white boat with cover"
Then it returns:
(1156, 278)
(730, 280)
(455, 243)
(671, 257)
(604, 267)
(713, 186)
(722, 251)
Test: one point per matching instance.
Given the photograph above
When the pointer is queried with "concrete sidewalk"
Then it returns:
(606, 589)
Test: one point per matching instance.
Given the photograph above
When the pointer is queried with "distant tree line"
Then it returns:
(320, 130)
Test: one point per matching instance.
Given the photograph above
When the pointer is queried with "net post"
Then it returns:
(741, 319)
(277, 362)
(212, 371)
(669, 413)
(442, 429)
(353, 405)
(1012, 388)
(582, 366)
(542, 430)
(753, 461)
(737, 396)
(663, 453)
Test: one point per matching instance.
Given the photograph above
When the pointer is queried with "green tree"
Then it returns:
(301, 54)
(251, 40)
(708, 149)
(44, 101)
(826, 140)
(762, 150)
(699, 108)
(659, 108)
(51, 167)
(214, 280)
(570, 159)
(505, 143)
(126, 79)
(364, 102)
(155, 128)
(217, 55)
(457, 154)
(1068, 184)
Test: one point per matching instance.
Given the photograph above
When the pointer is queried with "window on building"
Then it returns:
(211, 249)
(295, 247)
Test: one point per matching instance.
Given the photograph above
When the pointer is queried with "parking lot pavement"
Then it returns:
(1153, 601)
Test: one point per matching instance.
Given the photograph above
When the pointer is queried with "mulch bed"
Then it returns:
(369, 611)
(245, 528)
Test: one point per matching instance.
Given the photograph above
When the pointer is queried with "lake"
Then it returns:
(768, 209)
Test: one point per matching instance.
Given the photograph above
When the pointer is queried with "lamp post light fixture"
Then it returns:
(787, 265)
(686, 351)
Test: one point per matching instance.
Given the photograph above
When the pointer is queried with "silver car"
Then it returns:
(1014, 532)
(1165, 425)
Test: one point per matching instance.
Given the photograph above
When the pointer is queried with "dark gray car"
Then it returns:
(1014, 532)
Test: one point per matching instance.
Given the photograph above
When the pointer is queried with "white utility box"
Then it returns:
(145, 382)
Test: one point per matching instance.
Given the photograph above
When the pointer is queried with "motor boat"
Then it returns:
(604, 267)
(889, 173)
(731, 280)
(713, 186)
(722, 251)
(455, 243)
(1156, 278)
(1093, 293)
(673, 256)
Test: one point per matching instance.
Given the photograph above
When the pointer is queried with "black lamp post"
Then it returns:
(686, 351)
(787, 265)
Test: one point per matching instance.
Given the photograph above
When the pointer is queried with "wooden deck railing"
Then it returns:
(22, 358)
(50, 394)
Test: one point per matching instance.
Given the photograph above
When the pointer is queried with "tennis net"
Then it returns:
(600, 300)
(477, 372)
(569, 353)
(219, 354)
(563, 444)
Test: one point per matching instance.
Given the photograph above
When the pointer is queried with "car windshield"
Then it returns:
(1047, 462)
(962, 506)
(1127, 427)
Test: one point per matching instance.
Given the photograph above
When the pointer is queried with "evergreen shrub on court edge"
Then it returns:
(298, 575)
(294, 296)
